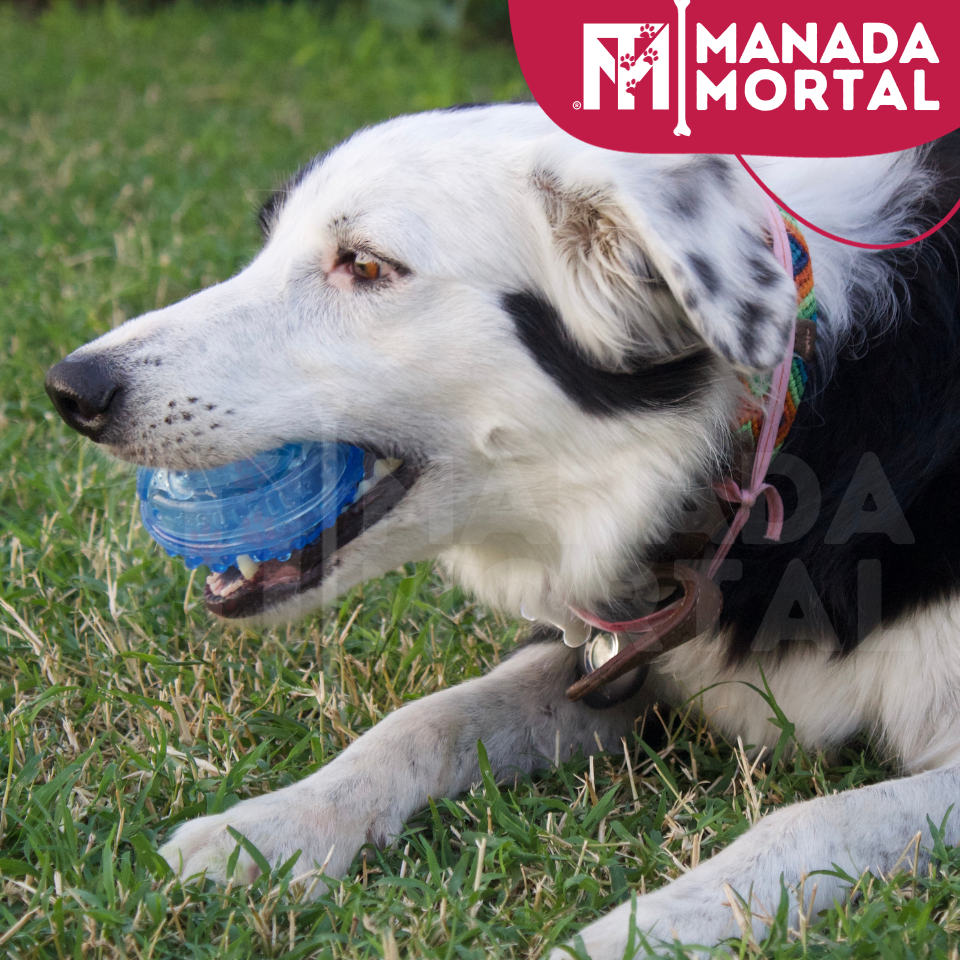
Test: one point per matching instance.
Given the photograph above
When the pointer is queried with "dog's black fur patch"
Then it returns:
(900, 400)
(470, 105)
(719, 167)
(649, 385)
(477, 104)
(705, 271)
(270, 209)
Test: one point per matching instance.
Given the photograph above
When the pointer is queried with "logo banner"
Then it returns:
(694, 76)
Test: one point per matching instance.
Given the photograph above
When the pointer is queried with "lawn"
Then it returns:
(133, 154)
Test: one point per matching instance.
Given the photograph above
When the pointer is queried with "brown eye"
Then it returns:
(366, 268)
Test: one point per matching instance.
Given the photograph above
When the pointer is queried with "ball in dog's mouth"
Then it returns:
(237, 593)
(269, 526)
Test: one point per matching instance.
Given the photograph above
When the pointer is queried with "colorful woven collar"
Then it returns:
(751, 421)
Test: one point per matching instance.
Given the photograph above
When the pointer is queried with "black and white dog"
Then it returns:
(544, 344)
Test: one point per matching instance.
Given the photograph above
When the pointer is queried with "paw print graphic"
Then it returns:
(631, 87)
(647, 32)
(627, 61)
(651, 57)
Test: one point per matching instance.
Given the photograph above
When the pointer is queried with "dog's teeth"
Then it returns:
(219, 589)
(381, 468)
(247, 566)
(386, 466)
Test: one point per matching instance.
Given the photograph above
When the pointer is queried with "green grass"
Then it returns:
(133, 154)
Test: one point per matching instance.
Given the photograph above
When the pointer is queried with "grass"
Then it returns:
(133, 154)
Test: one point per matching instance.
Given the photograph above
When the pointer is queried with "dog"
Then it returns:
(546, 344)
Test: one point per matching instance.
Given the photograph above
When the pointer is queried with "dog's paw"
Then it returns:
(278, 825)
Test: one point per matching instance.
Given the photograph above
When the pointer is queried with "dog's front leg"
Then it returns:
(870, 829)
(427, 748)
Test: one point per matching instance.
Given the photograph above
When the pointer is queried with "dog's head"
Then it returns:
(547, 335)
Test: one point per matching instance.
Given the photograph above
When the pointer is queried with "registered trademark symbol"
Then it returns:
(576, 104)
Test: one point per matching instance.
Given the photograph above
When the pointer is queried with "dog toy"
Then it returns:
(253, 510)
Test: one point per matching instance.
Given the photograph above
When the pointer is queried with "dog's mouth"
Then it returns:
(250, 589)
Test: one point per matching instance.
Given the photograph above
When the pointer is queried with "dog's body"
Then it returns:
(551, 338)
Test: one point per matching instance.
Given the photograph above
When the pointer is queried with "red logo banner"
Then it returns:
(694, 76)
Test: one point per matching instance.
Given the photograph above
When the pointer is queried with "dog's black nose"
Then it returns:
(84, 390)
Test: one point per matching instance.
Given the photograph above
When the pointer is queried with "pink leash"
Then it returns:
(729, 489)
(772, 416)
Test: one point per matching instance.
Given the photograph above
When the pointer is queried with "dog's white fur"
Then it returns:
(526, 499)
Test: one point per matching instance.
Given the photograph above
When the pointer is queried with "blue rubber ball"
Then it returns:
(265, 507)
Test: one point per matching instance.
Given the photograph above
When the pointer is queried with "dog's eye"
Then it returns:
(366, 267)
(356, 268)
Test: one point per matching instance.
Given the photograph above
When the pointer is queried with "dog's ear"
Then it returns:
(658, 253)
